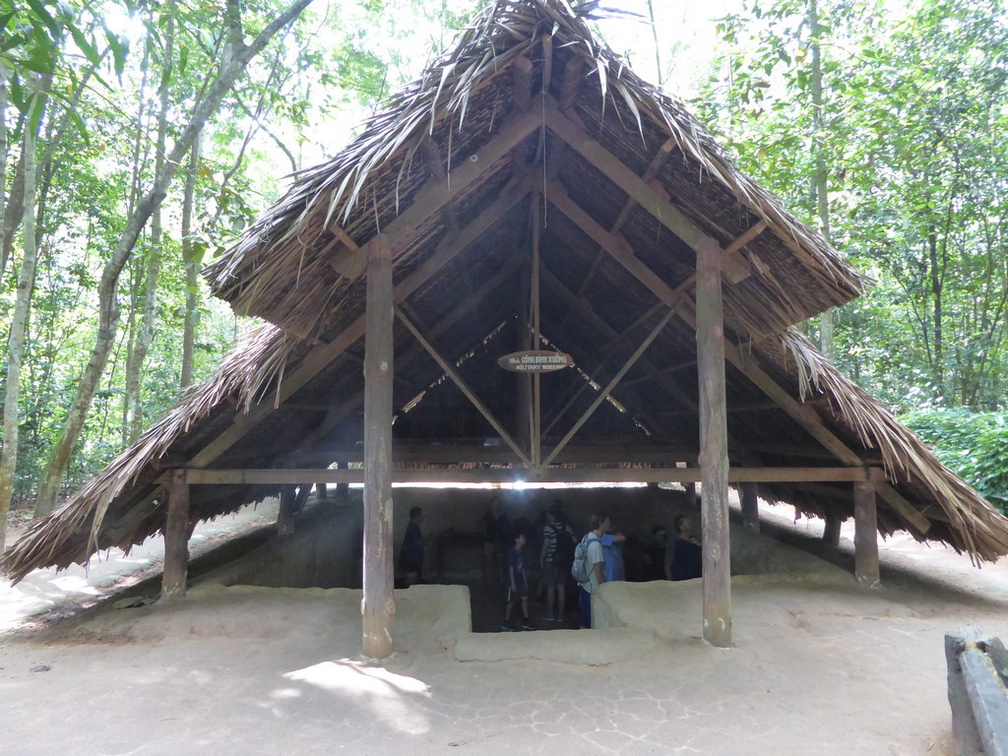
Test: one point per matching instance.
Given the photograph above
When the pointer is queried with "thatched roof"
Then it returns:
(529, 132)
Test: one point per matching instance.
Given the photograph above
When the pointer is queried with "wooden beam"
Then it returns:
(717, 607)
(629, 472)
(337, 414)
(378, 604)
(285, 516)
(581, 384)
(831, 530)
(639, 190)
(573, 75)
(750, 508)
(320, 357)
(904, 508)
(176, 537)
(535, 435)
(547, 63)
(452, 373)
(866, 556)
(604, 394)
(521, 82)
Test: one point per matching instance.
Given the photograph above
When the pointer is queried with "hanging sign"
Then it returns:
(535, 361)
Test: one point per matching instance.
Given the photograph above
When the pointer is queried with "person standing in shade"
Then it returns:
(684, 556)
(555, 557)
(517, 585)
(411, 556)
(599, 525)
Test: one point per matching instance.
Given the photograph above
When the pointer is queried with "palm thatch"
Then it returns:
(528, 134)
(280, 269)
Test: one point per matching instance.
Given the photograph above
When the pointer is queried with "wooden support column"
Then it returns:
(378, 605)
(285, 517)
(717, 610)
(343, 489)
(831, 532)
(176, 535)
(866, 558)
(750, 507)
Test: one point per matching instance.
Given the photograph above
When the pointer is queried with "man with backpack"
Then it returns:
(589, 564)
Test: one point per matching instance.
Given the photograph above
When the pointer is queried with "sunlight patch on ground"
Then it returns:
(386, 694)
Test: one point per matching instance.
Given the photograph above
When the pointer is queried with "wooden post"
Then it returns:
(378, 604)
(866, 559)
(831, 532)
(176, 536)
(750, 508)
(342, 489)
(322, 491)
(285, 517)
(717, 611)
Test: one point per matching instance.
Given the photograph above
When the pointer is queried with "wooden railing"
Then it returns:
(978, 693)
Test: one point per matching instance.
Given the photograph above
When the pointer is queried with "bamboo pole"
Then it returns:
(378, 605)
(717, 610)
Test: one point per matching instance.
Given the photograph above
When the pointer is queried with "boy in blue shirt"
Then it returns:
(517, 585)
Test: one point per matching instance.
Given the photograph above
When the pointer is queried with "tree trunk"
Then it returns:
(936, 295)
(192, 268)
(3, 177)
(108, 309)
(137, 356)
(18, 328)
(820, 179)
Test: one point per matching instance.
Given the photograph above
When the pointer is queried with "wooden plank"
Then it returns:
(604, 394)
(176, 537)
(866, 557)
(717, 605)
(629, 472)
(378, 605)
(750, 508)
(452, 373)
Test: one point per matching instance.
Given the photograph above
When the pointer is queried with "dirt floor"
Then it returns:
(820, 666)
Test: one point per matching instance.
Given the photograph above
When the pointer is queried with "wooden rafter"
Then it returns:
(639, 190)
(336, 415)
(604, 394)
(306, 476)
(321, 356)
(457, 379)
(605, 353)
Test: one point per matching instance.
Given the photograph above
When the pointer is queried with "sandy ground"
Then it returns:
(820, 666)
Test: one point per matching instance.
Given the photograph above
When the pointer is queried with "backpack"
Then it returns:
(580, 566)
(565, 544)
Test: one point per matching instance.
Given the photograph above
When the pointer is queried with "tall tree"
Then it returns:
(239, 56)
(26, 280)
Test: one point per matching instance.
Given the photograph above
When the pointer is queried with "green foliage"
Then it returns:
(975, 445)
(913, 124)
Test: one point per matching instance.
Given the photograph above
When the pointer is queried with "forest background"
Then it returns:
(139, 137)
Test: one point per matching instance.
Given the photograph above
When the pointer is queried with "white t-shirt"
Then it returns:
(595, 555)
